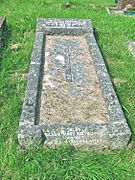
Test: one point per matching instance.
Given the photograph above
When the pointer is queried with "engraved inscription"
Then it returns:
(65, 23)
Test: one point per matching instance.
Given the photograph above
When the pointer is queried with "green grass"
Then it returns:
(63, 163)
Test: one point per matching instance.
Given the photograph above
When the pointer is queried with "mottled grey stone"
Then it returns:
(112, 102)
(113, 135)
(30, 136)
(118, 135)
(53, 26)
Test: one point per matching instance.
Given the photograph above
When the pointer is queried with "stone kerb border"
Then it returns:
(114, 135)
(2, 29)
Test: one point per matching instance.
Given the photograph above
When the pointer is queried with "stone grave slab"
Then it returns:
(2, 28)
(69, 96)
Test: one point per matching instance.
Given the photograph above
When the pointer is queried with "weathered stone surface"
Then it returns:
(30, 105)
(71, 92)
(30, 136)
(2, 28)
(122, 3)
(53, 26)
(113, 134)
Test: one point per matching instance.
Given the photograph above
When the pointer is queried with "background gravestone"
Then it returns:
(122, 3)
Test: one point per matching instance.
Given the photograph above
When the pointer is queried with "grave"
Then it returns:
(122, 8)
(69, 96)
(122, 3)
(2, 29)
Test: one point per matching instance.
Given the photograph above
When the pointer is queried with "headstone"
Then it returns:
(122, 3)
(69, 95)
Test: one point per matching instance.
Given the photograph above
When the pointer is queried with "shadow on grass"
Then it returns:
(5, 41)
(96, 34)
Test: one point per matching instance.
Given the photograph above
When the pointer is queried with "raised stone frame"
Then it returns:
(2, 29)
(114, 135)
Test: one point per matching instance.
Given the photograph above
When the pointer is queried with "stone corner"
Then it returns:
(30, 136)
(119, 136)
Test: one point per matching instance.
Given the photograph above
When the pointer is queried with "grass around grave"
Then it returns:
(63, 163)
